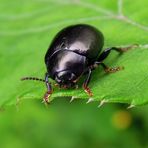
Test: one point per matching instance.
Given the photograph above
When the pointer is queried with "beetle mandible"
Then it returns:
(75, 51)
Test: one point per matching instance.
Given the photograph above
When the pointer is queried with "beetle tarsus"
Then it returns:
(109, 69)
(112, 70)
(124, 49)
(88, 90)
(86, 82)
(46, 97)
(49, 90)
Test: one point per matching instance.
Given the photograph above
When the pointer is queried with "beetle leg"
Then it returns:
(106, 52)
(49, 90)
(110, 69)
(105, 67)
(86, 82)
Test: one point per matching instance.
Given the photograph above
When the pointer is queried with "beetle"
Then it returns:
(76, 51)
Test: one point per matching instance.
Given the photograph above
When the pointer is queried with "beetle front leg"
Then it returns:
(86, 82)
(49, 90)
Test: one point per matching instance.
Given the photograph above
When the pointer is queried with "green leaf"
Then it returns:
(27, 28)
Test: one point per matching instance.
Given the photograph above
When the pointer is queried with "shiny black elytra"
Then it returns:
(75, 51)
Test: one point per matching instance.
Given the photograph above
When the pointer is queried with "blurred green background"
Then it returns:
(26, 30)
(71, 125)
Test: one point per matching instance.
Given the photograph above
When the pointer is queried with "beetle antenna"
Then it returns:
(32, 78)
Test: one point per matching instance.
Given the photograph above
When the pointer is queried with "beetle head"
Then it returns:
(65, 79)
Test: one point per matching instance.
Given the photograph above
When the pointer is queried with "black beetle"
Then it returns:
(75, 51)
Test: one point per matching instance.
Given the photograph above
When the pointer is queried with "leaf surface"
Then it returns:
(27, 31)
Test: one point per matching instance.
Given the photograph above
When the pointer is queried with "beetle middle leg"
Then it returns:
(105, 67)
(86, 82)
(49, 90)
(111, 69)
(105, 54)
